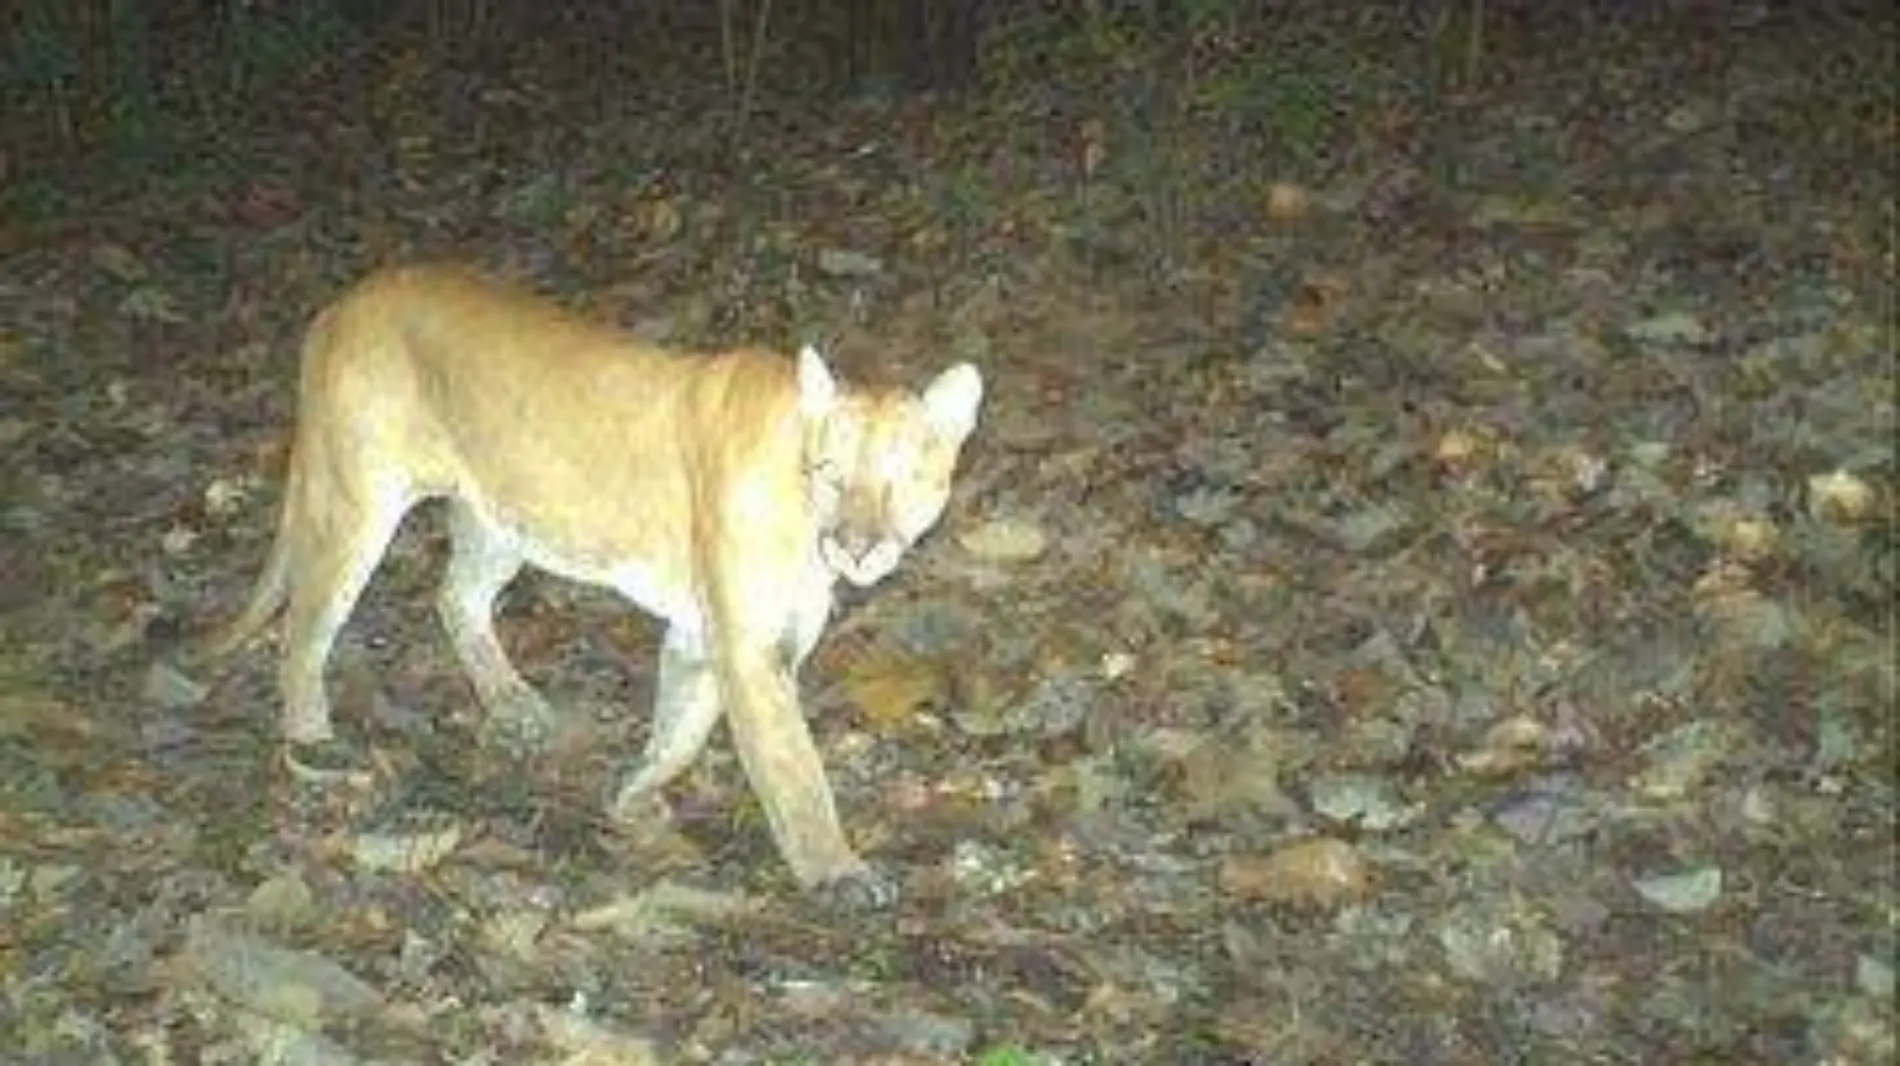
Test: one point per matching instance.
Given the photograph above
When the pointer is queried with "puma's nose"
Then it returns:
(855, 546)
(860, 560)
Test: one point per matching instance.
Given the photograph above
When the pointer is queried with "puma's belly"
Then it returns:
(656, 584)
(658, 594)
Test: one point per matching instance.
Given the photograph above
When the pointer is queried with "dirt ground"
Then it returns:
(1422, 589)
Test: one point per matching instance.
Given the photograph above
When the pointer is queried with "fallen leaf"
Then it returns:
(657, 219)
(845, 263)
(1514, 744)
(1681, 759)
(1491, 940)
(590, 1043)
(177, 540)
(1317, 871)
(151, 303)
(1874, 978)
(889, 688)
(1838, 496)
(1456, 450)
(282, 902)
(225, 497)
(1364, 800)
(266, 204)
(514, 932)
(664, 904)
(1224, 777)
(405, 852)
(168, 687)
(1262, 1028)
(1683, 893)
(119, 262)
(1287, 202)
(1093, 147)
(291, 985)
(1741, 533)
(1005, 540)
(1316, 305)
(1675, 328)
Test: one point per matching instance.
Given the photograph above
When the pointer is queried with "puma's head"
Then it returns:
(878, 464)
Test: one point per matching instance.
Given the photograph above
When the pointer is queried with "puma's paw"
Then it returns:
(867, 888)
(632, 805)
(644, 777)
(327, 762)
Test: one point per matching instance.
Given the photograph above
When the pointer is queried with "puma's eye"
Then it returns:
(826, 477)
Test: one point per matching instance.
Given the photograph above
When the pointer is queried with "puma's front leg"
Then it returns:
(685, 709)
(782, 762)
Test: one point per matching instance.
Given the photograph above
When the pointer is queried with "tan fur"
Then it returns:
(724, 493)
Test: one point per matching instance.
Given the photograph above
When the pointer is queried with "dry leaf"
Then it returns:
(1317, 871)
(119, 262)
(1005, 540)
(1287, 202)
(1317, 305)
(1456, 449)
(659, 219)
(225, 497)
(151, 303)
(888, 688)
(1742, 534)
(1839, 496)
(586, 1042)
(1514, 744)
(1094, 151)
(407, 853)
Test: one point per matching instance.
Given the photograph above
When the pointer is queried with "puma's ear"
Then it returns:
(817, 389)
(952, 400)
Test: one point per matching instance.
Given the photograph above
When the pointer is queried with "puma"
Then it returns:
(724, 493)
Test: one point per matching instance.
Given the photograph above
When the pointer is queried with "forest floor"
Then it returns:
(1421, 591)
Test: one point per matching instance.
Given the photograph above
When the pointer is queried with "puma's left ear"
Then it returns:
(817, 389)
(952, 400)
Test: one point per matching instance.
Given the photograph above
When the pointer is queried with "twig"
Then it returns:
(751, 73)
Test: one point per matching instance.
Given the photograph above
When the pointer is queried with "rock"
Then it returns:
(1005, 540)
(1689, 892)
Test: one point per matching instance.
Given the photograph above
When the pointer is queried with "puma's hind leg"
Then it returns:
(483, 559)
(685, 709)
(347, 525)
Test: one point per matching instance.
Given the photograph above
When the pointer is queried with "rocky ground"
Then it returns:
(1422, 590)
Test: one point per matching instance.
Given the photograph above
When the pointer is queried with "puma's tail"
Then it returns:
(272, 588)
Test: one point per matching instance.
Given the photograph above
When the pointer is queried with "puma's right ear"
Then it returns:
(952, 400)
(817, 389)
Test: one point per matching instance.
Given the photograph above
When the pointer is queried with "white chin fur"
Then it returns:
(874, 566)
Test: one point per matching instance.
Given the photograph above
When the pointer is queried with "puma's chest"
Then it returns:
(673, 584)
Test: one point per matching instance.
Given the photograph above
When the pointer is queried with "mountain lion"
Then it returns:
(724, 493)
